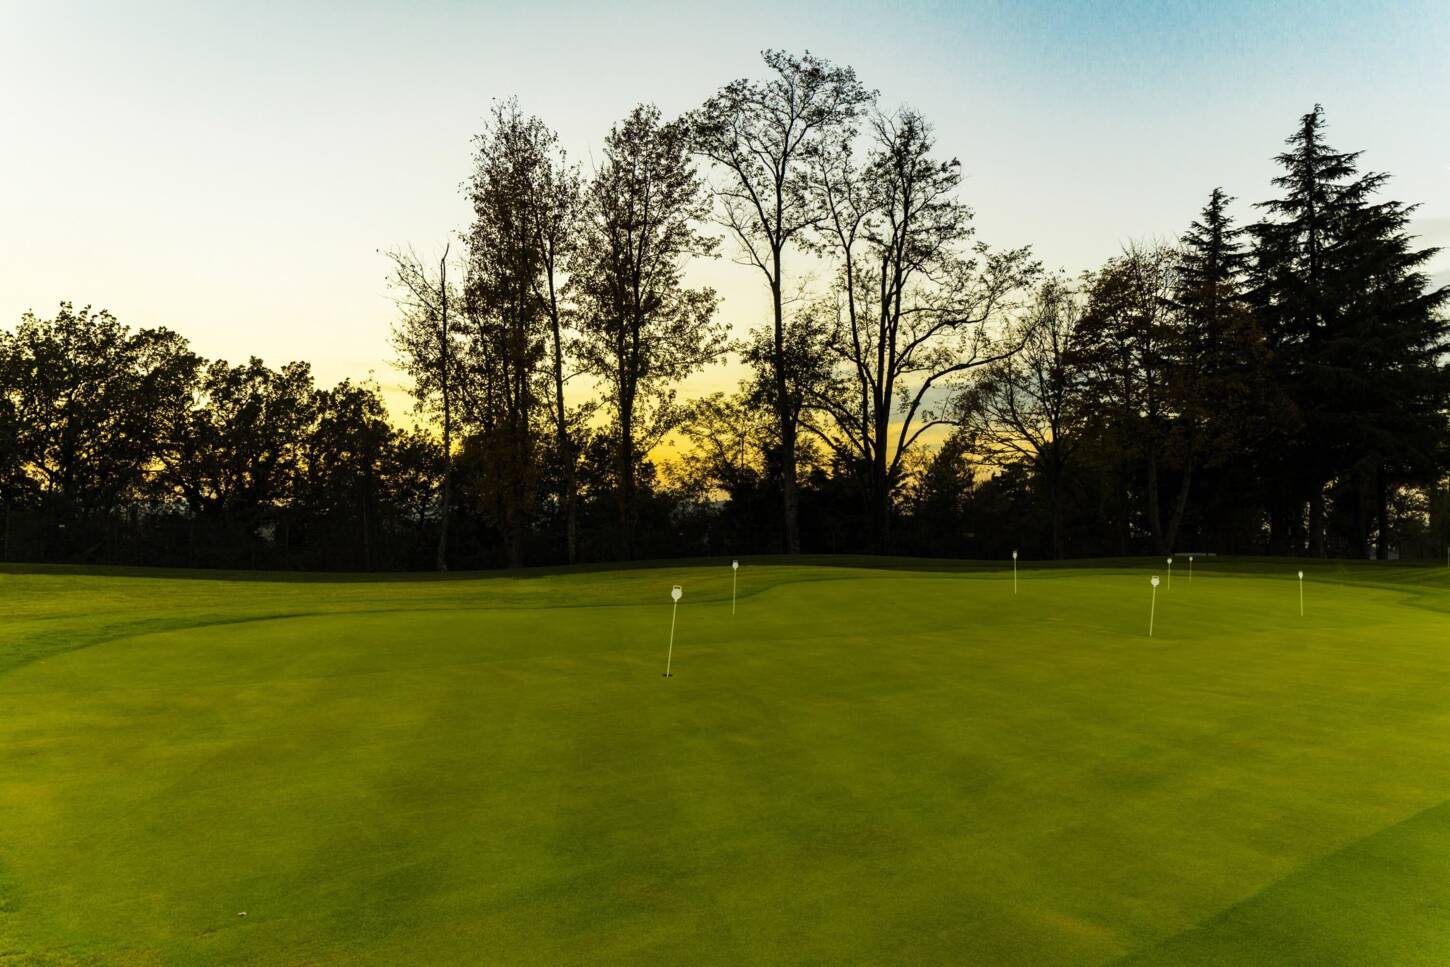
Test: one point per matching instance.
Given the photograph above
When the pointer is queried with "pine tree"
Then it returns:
(1211, 271)
(1222, 384)
(1394, 341)
(1355, 331)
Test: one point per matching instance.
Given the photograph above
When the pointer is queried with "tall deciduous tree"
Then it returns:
(920, 302)
(556, 207)
(508, 327)
(425, 342)
(760, 137)
(642, 329)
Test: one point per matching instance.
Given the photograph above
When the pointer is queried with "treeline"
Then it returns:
(1277, 385)
(121, 445)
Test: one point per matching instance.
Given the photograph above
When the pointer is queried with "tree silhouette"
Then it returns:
(760, 136)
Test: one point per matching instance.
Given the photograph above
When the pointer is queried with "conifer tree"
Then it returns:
(1355, 330)
(1221, 383)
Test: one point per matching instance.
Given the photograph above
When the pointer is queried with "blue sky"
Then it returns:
(232, 173)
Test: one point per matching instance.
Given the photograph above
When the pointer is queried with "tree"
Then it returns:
(1400, 430)
(1296, 277)
(16, 486)
(1356, 331)
(760, 137)
(508, 328)
(940, 496)
(425, 343)
(641, 329)
(1026, 407)
(810, 376)
(1224, 397)
(728, 438)
(556, 203)
(90, 399)
(919, 303)
(1130, 343)
(238, 451)
(413, 468)
(340, 490)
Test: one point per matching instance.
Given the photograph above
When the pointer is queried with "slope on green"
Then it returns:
(902, 765)
(1382, 900)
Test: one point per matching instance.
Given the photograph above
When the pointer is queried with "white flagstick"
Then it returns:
(1170, 575)
(675, 593)
(1152, 608)
(1301, 594)
(1014, 572)
(1190, 569)
(734, 576)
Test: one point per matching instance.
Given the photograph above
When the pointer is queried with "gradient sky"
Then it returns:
(232, 173)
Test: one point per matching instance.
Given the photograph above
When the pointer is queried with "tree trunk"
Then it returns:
(1125, 510)
(786, 418)
(441, 560)
(570, 497)
(1279, 529)
(1363, 511)
(571, 508)
(788, 489)
(1382, 513)
(1316, 521)
(626, 506)
(881, 517)
(1155, 523)
(1181, 503)
(514, 537)
(625, 458)
(880, 510)
(367, 544)
(517, 486)
(1055, 472)
(1055, 498)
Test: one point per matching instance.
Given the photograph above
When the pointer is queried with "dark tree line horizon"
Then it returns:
(1276, 385)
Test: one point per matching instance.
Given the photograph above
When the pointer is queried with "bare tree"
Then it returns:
(642, 330)
(424, 340)
(556, 208)
(918, 302)
(1024, 407)
(759, 136)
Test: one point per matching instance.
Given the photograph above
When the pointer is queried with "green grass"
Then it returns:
(907, 765)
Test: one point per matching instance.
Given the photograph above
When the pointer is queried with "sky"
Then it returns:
(233, 171)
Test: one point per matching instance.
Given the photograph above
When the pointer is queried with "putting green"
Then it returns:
(861, 765)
